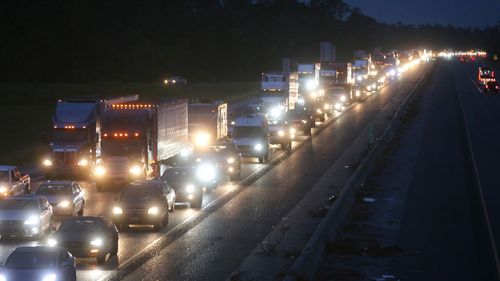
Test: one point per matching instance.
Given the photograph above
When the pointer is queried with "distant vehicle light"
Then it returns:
(190, 188)
(63, 204)
(47, 162)
(99, 171)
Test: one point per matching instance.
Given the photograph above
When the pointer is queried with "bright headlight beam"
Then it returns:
(153, 211)
(97, 242)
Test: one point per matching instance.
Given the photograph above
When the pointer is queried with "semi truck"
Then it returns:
(75, 136)
(279, 93)
(139, 137)
(207, 122)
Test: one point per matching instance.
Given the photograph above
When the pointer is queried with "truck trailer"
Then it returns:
(138, 138)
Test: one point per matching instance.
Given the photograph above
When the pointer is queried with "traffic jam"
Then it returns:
(150, 158)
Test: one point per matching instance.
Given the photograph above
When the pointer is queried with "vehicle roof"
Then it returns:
(251, 120)
(59, 182)
(75, 112)
(6, 167)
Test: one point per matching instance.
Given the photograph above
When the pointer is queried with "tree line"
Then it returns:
(202, 40)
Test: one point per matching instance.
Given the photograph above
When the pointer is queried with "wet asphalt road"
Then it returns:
(209, 244)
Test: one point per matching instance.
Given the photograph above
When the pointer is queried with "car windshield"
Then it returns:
(246, 132)
(17, 204)
(175, 175)
(81, 225)
(69, 135)
(32, 259)
(4, 175)
(140, 193)
(54, 189)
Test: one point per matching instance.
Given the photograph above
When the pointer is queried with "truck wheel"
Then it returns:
(196, 204)
(101, 259)
(235, 176)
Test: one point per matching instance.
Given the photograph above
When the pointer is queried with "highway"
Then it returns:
(209, 244)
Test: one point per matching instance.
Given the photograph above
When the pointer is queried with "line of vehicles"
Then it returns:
(162, 153)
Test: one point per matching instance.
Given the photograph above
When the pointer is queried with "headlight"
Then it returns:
(232, 123)
(321, 92)
(83, 162)
(358, 93)
(343, 98)
(190, 188)
(230, 160)
(117, 211)
(275, 112)
(51, 242)
(281, 133)
(310, 85)
(338, 106)
(319, 111)
(49, 277)
(153, 211)
(3, 189)
(135, 170)
(96, 242)
(293, 131)
(33, 220)
(2, 277)
(258, 147)
(326, 106)
(202, 139)
(369, 87)
(99, 171)
(63, 204)
(205, 172)
(47, 162)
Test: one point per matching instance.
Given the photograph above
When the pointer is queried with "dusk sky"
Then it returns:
(476, 13)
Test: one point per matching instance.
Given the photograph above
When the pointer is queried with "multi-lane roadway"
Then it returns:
(208, 244)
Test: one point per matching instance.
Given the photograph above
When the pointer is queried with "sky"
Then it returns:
(463, 13)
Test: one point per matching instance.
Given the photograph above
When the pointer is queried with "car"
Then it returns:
(144, 202)
(491, 86)
(204, 164)
(39, 263)
(175, 80)
(65, 197)
(301, 120)
(25, 216)
(228, 159)
(87, 237)
(185, 184)
(12, 182)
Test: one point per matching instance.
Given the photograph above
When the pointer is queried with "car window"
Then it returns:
(82, 224)
(31, 259)
(53, 189)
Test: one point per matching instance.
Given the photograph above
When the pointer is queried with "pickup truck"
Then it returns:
(12, 182)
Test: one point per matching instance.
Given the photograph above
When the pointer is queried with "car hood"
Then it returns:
(138, 205)
(56, 199)
(78, 235)
(16, 214)
(30, 274)
(5, 183)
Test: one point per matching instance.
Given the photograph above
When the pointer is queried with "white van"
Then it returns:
(251, 136)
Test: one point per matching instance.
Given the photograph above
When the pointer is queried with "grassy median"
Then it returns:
(26, 109)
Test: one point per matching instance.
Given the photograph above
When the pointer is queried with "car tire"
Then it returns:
(101, 260)
(235, 176)
(196, 204)
(114, 250)
(160, 224)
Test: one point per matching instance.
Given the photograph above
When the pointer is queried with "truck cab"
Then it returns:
(251, 136)
(12, 182)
